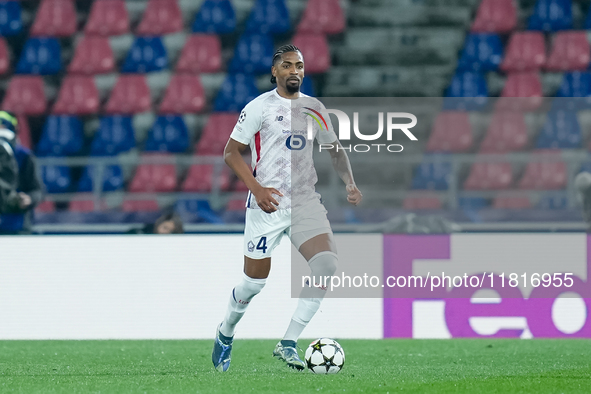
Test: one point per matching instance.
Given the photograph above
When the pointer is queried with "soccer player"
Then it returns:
(282, 163)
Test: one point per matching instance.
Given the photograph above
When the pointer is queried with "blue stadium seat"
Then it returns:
(147, 54)
(112, 179)
(551, 15)
(307, 87)
(236, 91)
(467, 92)
(215, 17)
(56, 179)
(115, 135)
(253, 54)
(482, 52)
(472, 203)
(168, 134)
(269, 17)
(197, 211)
(41, 56)
(553, 202)
(10, 18)
(574, 92)
(62, 136)
(432, 175)
(561, 131)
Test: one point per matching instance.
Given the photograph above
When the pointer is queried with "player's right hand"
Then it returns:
(265, 199)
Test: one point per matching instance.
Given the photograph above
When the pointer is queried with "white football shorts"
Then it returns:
(263, 231)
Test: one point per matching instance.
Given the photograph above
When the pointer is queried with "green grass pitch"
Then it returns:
(372, 366)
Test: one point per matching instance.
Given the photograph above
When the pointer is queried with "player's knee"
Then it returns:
(253, 286)
(324, 264)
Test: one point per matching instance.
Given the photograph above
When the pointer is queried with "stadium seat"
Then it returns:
(495, 16)
(45, 206)
(55, 18)
(526, 51)
(168, 134)
(10, 18)
(130, 95)
(85, 206)
(184, 94)
(78, 96)
(215, 17)
(147, 54)
(107, 18)
(552, 202)
(551, 15)
(253, 54)
(523, 92)
(112, 179)
(322, 16)
(62, 136)
(114, 135)
(544, 175)
(4, 56)
(139, 205)
(511, 202)
(236, 91)
(25, 95)
(307, 87)
(575, 84)
(161, 17)
(154, 177)
(40, 56)
(24, 132)
(570, 52)
(468, 91)
(202, 53)
(433, 175)
(481, 53)
(93, 56)
(56, 179)
(507, 132)
(561, 131)
(316, 52)
(215, 134)
(419, 203)
(489, 176)
(200, 179)
(451, 132)
(269, 17)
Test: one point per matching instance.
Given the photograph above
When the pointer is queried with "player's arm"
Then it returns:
(263, 195)
(340, 162)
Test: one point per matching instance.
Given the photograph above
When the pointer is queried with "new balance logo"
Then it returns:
(279, 119)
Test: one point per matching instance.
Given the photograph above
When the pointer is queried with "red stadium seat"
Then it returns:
(161, 17)
(25, 95)
(202, 53)
(544, 175)
(78, 96)
(495, 16)
(130, 95)
(511, 202)
(183, 95)
(45, 206)
(426, 202)
(236, 205)
(507, 132)
(315, 49)
(200, 178)
(24, 132)
(451, 132)
(240, 186)
(4, 57)
(322, 16)
(489, 176)
(93, 56)
(570, 52)
(215, 134)
(526, 51)
(154, 178)
(55, 18)
(527, 87)
(107, 18)
(140, 205)
(85, 206)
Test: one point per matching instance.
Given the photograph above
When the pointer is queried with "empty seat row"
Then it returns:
(501, 201)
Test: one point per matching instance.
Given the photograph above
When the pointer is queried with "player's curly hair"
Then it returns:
(280, 51)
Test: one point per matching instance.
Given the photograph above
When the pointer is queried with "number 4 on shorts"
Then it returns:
(262, 245)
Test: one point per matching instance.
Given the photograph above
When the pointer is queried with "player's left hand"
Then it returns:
(354, 196)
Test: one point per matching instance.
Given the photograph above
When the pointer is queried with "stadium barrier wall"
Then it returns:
(177, 287)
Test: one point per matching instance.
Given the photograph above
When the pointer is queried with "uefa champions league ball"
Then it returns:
(325, 356)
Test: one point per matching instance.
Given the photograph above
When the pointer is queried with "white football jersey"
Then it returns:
(276, 130)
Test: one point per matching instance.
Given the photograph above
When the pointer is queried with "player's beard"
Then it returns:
(292, 88)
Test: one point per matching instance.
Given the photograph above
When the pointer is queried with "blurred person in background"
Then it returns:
(169, 223)
(20, 184)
